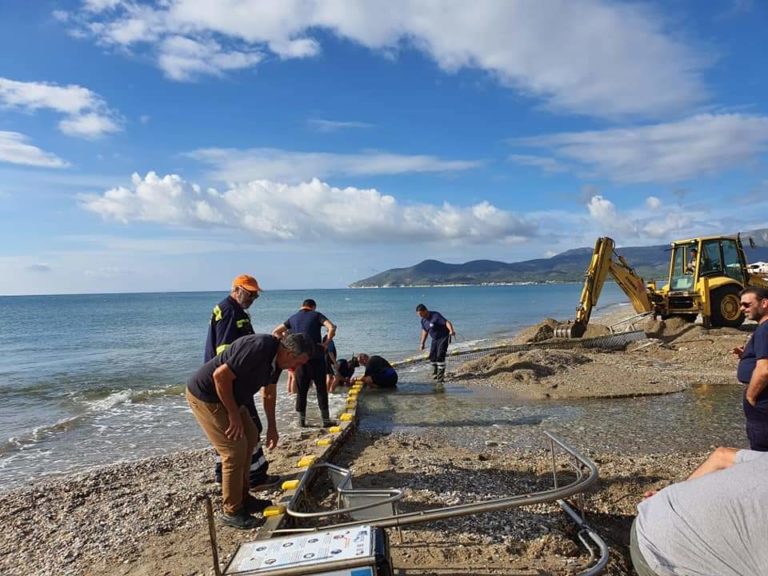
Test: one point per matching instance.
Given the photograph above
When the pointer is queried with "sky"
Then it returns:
(172, 145)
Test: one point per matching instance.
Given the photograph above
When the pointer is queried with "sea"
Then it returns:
(89, 380)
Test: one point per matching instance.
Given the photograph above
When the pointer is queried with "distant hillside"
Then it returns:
(650, 262)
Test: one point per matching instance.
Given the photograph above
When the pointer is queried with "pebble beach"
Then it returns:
(147, 517)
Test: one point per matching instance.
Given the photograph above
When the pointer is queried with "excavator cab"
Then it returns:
(705, 277)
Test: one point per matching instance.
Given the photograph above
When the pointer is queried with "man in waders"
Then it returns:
(230, 321)
(440, 329)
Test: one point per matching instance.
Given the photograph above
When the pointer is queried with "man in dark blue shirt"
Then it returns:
(378, 372)
(753, 368)
(230, 321)
(310, 322)
(218, 394)
(440, 329)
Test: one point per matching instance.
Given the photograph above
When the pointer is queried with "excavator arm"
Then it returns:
(604, 262)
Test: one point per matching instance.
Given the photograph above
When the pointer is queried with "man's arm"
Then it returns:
(223, 381)
(269, 400)
(758, 382)
(720, 459)
(280, 330)
(449, 325)
(331, 327)
(424, 335)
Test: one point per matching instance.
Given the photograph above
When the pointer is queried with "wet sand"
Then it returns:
(147, 517)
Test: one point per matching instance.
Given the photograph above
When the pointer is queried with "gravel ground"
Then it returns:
(147, 517)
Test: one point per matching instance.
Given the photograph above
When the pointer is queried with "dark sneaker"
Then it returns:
(266, 482)
(242, 520)
(328, 423)
(255, 505)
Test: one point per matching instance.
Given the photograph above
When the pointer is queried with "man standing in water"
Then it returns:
(753, 368)
(310, 322)
(230, 321)
(218, 394)
(440, 329)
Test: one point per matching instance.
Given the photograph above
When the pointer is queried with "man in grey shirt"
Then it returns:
(714, 523)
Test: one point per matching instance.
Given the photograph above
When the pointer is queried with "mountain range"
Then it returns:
(650, 262)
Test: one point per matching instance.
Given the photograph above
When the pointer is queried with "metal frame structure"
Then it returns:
(586, 475)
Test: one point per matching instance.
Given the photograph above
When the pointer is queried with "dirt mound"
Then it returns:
(541, 331)
(526, 366)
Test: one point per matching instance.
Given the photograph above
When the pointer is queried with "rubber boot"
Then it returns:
(434, 371)
(327, 422)
(441, 374)
(302, 418)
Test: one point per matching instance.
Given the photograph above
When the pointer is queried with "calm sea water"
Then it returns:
(94, 379)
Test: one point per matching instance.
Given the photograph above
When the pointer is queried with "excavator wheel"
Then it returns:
(725, 307)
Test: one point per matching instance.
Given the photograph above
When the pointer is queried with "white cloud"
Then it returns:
(184, 59)
(14, 149)
(86, 114)
(232, 165)
(702, 144)
(608, 59)
(653, 203)
(645, 224)
(309, 211)
(546, 164)
(322, 125)
(602, 210)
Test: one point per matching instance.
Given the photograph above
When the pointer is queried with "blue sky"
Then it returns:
(171, 145)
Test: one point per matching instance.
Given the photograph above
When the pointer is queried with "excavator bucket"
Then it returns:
(570, 330)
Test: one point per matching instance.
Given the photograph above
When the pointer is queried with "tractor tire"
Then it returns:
(726, 311)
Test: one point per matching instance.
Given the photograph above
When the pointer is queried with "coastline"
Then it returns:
(146, 517)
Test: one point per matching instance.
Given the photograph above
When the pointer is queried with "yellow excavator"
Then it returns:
(705, 277)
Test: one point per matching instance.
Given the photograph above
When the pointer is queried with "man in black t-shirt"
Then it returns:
(218, 394)
(310, 322)
(378, 372)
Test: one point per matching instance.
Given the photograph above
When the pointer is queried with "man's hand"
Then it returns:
(235, 430)
(272, 438)
(738, 351)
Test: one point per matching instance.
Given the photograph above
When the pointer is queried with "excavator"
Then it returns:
(705, 277)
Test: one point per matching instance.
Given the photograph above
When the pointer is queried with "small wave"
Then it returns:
(40, 433)
(93, 406)
(105, 399)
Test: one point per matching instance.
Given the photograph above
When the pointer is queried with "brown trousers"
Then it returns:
(235, 454)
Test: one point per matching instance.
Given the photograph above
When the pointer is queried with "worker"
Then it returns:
(378, 372)
(690, 268)
(218, 394)
(310, 322)
(441, 330)
(229, 321)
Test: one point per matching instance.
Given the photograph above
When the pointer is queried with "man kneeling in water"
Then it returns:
(378, 372)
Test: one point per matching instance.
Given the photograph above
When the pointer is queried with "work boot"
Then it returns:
(327, 422)
(441, 375)
(434, 371)
(302, 419)
(241, 520)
